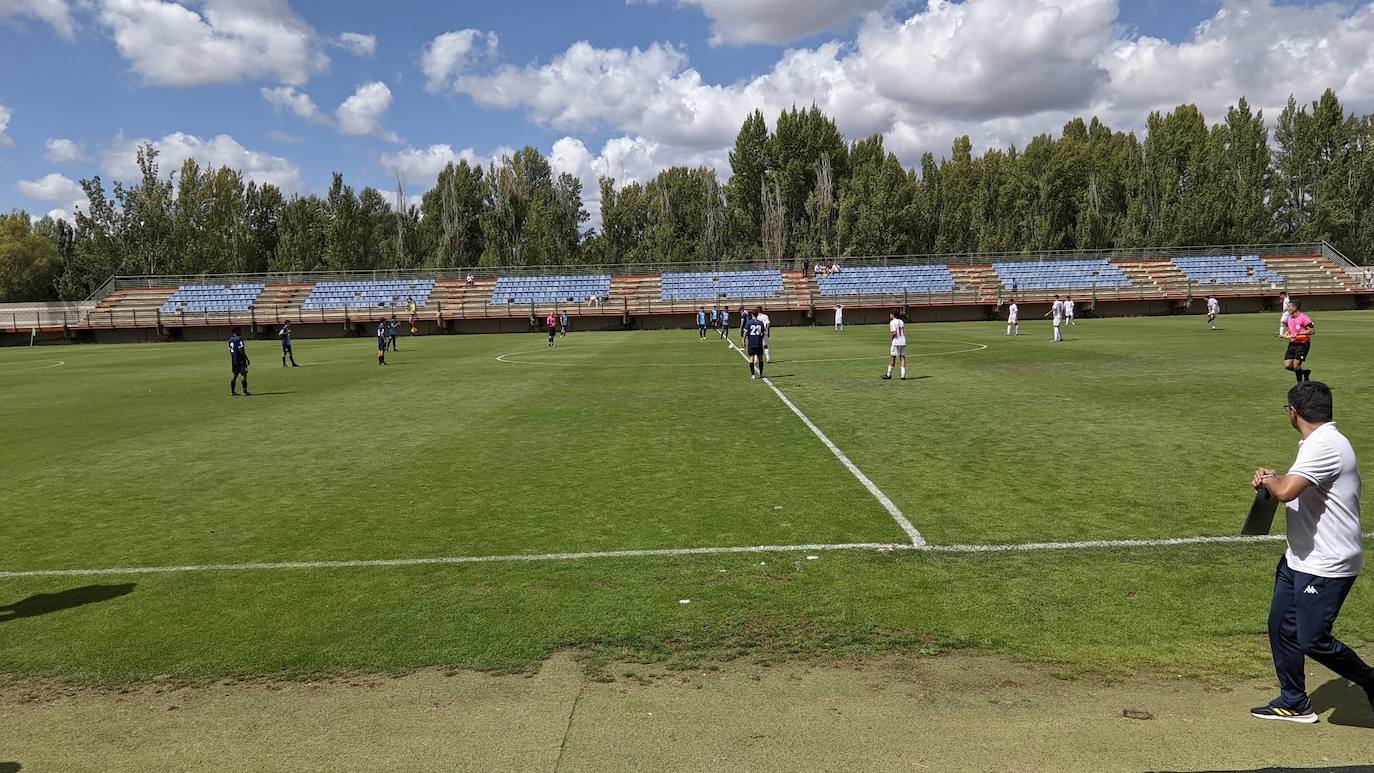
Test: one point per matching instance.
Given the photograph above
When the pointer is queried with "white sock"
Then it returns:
(903, 372)
(767, 356)
(889, 370)
(1008, 329)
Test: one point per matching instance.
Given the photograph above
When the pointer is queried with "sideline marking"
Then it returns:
(916, 539)
(973, 347)
(878, 547)
(55, 364)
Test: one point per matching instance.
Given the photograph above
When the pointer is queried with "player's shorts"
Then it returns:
(765, 342)
(553, 331)
(1297, 351)
(899, 351)
(755, 351)
(239, 366)
(286, 347)
(1057, 321)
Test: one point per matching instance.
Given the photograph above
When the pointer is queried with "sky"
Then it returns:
(290, 91)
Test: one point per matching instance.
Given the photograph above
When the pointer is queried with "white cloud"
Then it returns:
(64, 151)
(54, 189)
(227, 41)
(361, 114)
(5, 114)
(53, 12)
(297, 102)
(61, 214)
(449, 55)
(358, 44)
(120, 159)
(776, 21)
(421, 166)
(1001, 71)
(283, 137)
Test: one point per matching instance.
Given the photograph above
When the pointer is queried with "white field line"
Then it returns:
(55, 364)
(879, 547)
(440, 561)
(504, 358)
(916, 539)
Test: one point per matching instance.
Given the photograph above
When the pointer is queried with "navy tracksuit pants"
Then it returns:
(1300, 620)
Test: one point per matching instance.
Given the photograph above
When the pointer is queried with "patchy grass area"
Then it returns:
(128, 456)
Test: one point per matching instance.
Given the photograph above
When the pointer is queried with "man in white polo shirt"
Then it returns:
(1325, 554)
(1057, 312)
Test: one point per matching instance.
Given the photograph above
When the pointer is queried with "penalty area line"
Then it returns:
(915, 536)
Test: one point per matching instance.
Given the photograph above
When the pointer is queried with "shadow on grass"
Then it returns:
(10, 767)
(44, 603)
(269, 394)
(1349, 703)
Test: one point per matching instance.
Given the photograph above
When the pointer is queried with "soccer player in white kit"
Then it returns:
(897, 328)
(1057, 313)
(839, 317)
(1213, 309)
(767, 332)
(1013, 319)
(1283, 318)
(1068, 310)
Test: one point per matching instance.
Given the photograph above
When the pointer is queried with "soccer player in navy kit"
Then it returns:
(754, 334)
(285, 335)
(391, 332)
(725, 324)
(238, 363)
(381, 342)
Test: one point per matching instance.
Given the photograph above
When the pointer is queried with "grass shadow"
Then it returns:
(10, 767)
(1349, 704)
(45, 603)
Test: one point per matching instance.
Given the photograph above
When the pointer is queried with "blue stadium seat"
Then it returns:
(1060, 275)
(887, 280)
(550, 289)
(1227, 269)
(714, 285)
(388, 293)
(200, 299)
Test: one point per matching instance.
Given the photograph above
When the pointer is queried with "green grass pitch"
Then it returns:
(135, 456)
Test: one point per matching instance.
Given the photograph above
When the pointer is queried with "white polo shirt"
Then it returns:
(1013, 312)
(1324, 534)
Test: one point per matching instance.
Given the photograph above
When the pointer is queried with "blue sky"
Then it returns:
(612, 86)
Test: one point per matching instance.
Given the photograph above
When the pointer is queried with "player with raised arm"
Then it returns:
(839, 318)
(1299, 335)
(896, 327)
(391, 333)
(285, 335)
(1213, 309)
(767, 333)
(238, 364)
(1013, 318)
(755, 335)
(1057, 313)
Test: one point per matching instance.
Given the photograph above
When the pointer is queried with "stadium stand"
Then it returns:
(1227, 269)
(885, 280)
(373, 294)
(551, 289)
(213, 298)
(721, 284)
(1060, 275)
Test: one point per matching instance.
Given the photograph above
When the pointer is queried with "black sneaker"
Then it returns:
(887, 378)
(246, 393)
(1307, 717)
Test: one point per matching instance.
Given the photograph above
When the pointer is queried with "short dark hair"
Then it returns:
(237, 331)
(1295, 303)
(1312, 401)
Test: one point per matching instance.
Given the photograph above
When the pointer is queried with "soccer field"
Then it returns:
(269, 509)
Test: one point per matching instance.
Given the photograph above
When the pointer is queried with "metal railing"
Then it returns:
(651, 268)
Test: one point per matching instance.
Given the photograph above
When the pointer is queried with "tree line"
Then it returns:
(798, 191)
